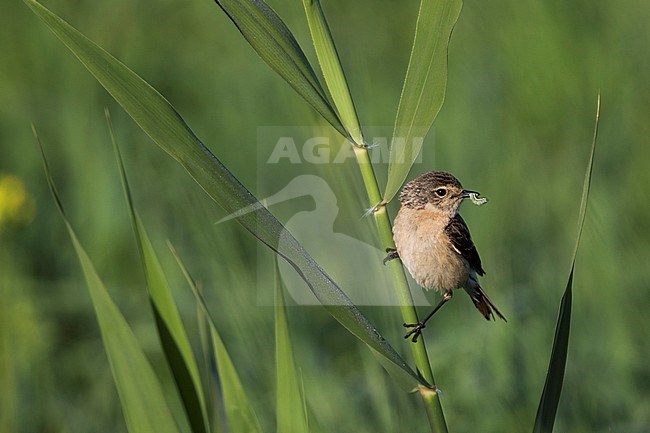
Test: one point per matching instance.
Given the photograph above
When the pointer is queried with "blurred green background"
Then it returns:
(516, 125)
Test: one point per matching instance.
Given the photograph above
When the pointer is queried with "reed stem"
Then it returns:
(430, 396)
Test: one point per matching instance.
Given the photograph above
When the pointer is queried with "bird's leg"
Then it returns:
(392, 255)
(418, 327)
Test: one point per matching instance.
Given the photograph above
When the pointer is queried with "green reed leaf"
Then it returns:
(213, 395)
(171, 331)
(424, 87)
(239, 413)
(141, 395)
(290, 398)
(332, 70)
(276, 45)
(550, 398)
(155, 115)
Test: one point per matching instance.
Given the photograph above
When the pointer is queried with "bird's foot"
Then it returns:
(392, 255)
(416, 331)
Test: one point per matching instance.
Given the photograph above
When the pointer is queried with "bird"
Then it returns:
(433, 242)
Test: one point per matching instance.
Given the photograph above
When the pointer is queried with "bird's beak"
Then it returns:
(466, 193)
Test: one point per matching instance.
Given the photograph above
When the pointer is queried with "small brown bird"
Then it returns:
(434, 243)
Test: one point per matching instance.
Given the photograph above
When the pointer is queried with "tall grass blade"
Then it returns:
(240, 416)
(290, 398)
(276, 45)
(213, 400)
(171, 331)
(141, 395)
(550, 399)
(332, 70)
(424, 87)
(163, 124)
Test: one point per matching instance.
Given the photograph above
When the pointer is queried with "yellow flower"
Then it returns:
(17, 206)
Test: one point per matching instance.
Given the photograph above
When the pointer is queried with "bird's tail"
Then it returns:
(483, 303)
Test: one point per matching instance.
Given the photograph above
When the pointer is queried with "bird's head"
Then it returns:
(436, 191)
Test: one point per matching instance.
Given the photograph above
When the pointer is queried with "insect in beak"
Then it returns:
(474, 196)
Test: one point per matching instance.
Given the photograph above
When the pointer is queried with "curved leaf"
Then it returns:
(240, 415)
(163, 124)
(550, 399)
(171, 331)
(424, 87)
(275, 44)
(141, 395)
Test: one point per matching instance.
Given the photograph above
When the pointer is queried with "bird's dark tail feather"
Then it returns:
(483, 303)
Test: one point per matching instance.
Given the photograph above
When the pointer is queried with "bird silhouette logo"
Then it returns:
(354, 264)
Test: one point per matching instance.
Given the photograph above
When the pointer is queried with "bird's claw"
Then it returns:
(392, 255)
(416, 331)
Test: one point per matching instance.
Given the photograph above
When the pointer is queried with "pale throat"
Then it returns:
(446, 212)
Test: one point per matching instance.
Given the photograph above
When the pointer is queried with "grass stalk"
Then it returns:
(430, 397)
(431, 400)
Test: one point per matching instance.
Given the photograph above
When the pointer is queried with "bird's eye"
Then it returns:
(441, 192)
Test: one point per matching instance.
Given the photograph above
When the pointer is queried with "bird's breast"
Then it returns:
(425, 250)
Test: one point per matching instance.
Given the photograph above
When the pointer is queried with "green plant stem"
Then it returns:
(431, 397)
(431, 400)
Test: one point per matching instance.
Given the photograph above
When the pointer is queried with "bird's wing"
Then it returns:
(461, 241)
